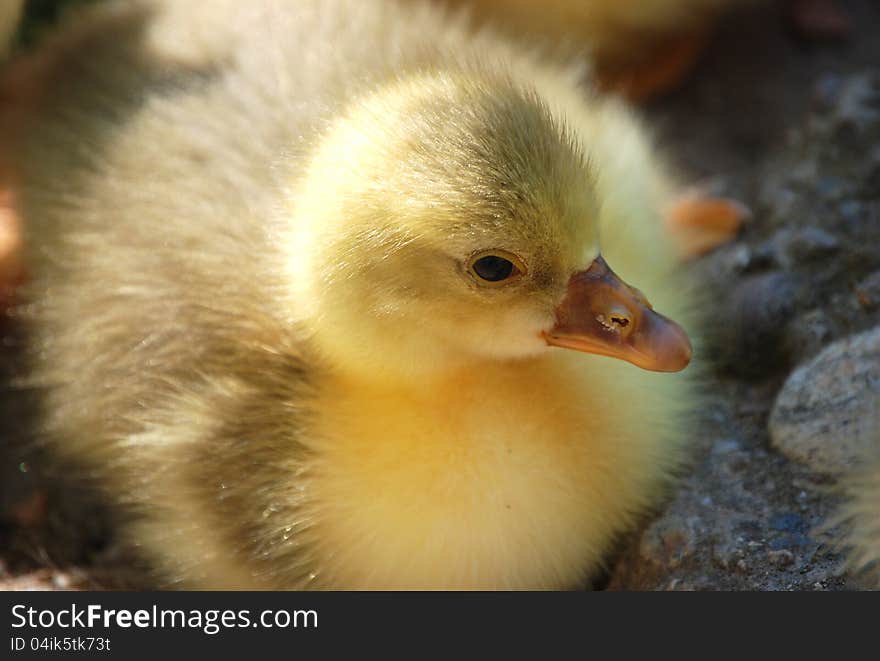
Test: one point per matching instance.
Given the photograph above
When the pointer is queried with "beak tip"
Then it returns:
(675, 350)
(682, 360)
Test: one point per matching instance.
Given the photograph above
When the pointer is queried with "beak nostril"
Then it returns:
(619, 320)
(616, 322)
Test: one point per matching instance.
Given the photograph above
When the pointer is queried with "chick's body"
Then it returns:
(255, 319)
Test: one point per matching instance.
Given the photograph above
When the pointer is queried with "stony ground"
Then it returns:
(793, 130)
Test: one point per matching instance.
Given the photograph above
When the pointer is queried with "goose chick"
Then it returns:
(322, 305)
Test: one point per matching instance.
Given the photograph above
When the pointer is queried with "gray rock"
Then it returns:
(829, 409)
(809, 333)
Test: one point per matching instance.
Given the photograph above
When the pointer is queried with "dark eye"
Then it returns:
(494, 268)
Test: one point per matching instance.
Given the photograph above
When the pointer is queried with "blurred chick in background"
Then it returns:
(638, 48)
(320, 303)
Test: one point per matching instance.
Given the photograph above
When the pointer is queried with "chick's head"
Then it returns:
(452, 218)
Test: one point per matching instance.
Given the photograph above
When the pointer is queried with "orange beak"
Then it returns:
(603, 315)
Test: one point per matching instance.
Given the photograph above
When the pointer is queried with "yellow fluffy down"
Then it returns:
(249, 225)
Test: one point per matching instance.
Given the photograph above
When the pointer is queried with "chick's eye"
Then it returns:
(495, 268)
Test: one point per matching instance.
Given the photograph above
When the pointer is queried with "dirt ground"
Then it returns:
(790, 128)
